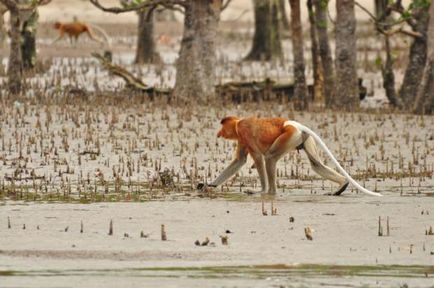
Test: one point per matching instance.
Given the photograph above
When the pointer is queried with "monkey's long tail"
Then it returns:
(103, 33)
(323, 146)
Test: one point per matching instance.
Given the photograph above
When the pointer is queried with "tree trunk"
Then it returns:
(324, 51)
(15, 67)
(318, 75)
(300, 88)
(195, 76)
(384, 17)
(28, 45)
(284, 17)
(425, 97)
(347, 95)
(3, 10)
(146, 52)
(417, 59)
(266, 39)
(380, 8)
(424, 103)
(389, 77)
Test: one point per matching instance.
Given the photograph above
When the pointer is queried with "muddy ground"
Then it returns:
(262, 250)
(147, 160)
(93, 156)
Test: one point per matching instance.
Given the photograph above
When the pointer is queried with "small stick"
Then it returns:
(224, 239)
(9, 223)
(273, 210)
(81, 226)
(308, 232)
(387, 226)
(380, 229)
(163, 233)
(264, 212)
(111, 228)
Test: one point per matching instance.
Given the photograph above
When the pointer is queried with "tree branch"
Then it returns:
(225, 5)
(398, 8)
(381, 25)
(406, 32)
(366, 11)
(140, 6)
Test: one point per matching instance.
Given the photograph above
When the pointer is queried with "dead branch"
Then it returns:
(132, 81)
(87, 152)
(13, 179)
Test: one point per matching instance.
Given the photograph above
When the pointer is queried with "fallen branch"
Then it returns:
(90, 153)
(13, 179)
(132, 81)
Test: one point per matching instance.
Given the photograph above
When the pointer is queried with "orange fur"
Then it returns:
(255, 134)
(73, 30)
(267, 140)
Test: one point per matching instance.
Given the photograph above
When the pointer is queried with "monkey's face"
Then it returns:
(228, 130)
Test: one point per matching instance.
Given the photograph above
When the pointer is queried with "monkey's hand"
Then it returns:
(203, 186)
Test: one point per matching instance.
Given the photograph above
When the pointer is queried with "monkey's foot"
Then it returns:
(342, 189)
(201, 186)
(252, 192)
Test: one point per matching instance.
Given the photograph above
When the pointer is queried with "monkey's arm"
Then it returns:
(61, 34)
(239, 161)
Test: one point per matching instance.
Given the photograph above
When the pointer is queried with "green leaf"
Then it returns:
(379, 61)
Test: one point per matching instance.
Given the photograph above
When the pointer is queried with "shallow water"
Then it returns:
(228, 276)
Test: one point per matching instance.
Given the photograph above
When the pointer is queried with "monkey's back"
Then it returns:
(75, 28)
(260, 132)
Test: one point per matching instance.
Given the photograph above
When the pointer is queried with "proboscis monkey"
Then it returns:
(266, 140)
(75, 29)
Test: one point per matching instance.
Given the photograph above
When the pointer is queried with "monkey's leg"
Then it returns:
(92, 37)
(286, 142)
(260, 167)
(318, 166)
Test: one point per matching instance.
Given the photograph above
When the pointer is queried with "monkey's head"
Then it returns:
(57, 25)
(228, 130)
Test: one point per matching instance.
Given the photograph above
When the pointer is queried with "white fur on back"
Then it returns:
(292, 123)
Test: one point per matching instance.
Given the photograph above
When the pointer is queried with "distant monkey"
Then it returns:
(266, 140)
(75, 29)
